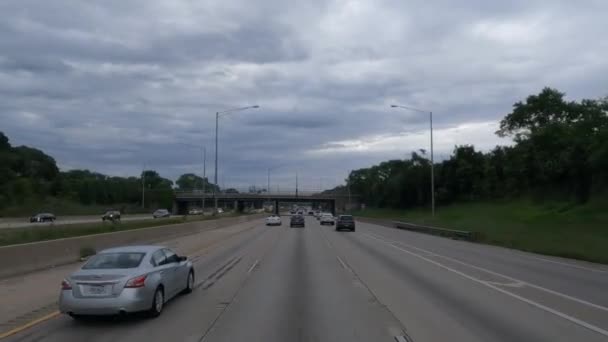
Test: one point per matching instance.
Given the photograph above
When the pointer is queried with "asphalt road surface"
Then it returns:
(24, 221)
(375, 284)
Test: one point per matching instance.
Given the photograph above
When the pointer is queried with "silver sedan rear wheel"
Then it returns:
(158, 303)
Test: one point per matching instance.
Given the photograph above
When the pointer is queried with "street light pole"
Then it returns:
(143, 187)
(268, 184)
(204, 178)
(217, 119)
(432, 168)
(432, 152)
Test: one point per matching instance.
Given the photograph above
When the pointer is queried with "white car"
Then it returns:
(327, 218)
(273, 220)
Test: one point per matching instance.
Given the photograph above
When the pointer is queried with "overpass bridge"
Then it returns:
(334, 203)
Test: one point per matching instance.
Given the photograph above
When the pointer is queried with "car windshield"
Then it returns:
(346, 218)
(114, 260)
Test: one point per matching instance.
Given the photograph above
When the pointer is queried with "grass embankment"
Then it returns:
(12, 236)
(62, 207)
(567, 230)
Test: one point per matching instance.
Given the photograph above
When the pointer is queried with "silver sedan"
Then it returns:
(124, 280)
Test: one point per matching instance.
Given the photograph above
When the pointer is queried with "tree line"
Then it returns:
(28, 174)
(560, 151)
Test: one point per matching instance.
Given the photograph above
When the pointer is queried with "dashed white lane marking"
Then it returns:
(401, 338)
(514, 280)
(344, 266)
(485, 283)
(253, 266)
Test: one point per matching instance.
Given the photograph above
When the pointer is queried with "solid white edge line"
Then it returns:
(515, 280)
(253, 266)
(525, 300)
(567, 264)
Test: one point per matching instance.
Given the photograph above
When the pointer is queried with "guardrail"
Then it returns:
(453, 233)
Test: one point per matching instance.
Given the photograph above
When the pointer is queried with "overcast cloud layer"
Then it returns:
(111, 85)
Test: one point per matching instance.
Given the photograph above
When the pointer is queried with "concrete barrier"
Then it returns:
(28, 257)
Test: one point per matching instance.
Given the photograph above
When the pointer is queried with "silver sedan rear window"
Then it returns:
(114, 260)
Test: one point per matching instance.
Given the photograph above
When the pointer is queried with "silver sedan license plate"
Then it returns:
(96, 290)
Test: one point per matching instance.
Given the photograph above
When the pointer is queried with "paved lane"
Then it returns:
(438, 297)
(315, 284)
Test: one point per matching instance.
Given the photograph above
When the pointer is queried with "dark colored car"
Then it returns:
(345, 222)
(297, 221)
(111, 215)
(43, 217)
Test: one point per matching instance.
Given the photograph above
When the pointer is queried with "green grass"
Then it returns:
(12, 236)
(561, 229)
(64, 207)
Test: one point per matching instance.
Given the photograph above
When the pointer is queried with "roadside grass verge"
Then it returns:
(557, 228)
(13, 236)
(63, 207)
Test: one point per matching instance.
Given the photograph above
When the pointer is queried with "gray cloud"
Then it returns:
(115, 84)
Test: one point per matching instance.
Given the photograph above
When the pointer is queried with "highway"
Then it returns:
(23, 222)
(375, 284)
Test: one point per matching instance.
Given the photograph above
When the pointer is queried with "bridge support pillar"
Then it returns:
(276, 207)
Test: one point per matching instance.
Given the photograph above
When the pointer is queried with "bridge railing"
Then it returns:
(257, 194)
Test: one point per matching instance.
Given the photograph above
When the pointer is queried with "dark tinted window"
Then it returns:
(158, 258)
(114, 260)
(346, 218)
(171, 257)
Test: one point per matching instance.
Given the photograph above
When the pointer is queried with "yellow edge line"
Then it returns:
(29, 325)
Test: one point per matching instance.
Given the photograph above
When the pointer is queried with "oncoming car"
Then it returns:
(273, 220)
(111, 215)
(161, 213)
(43, 217)
(125, 280)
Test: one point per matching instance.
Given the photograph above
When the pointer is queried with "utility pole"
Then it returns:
(296, 184)
(349, 202)
(268, 182)
(143, 187)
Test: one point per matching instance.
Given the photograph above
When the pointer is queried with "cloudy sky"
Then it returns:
(113, 85)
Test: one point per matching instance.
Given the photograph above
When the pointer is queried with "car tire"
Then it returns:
(158, 303)
(189, 283)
